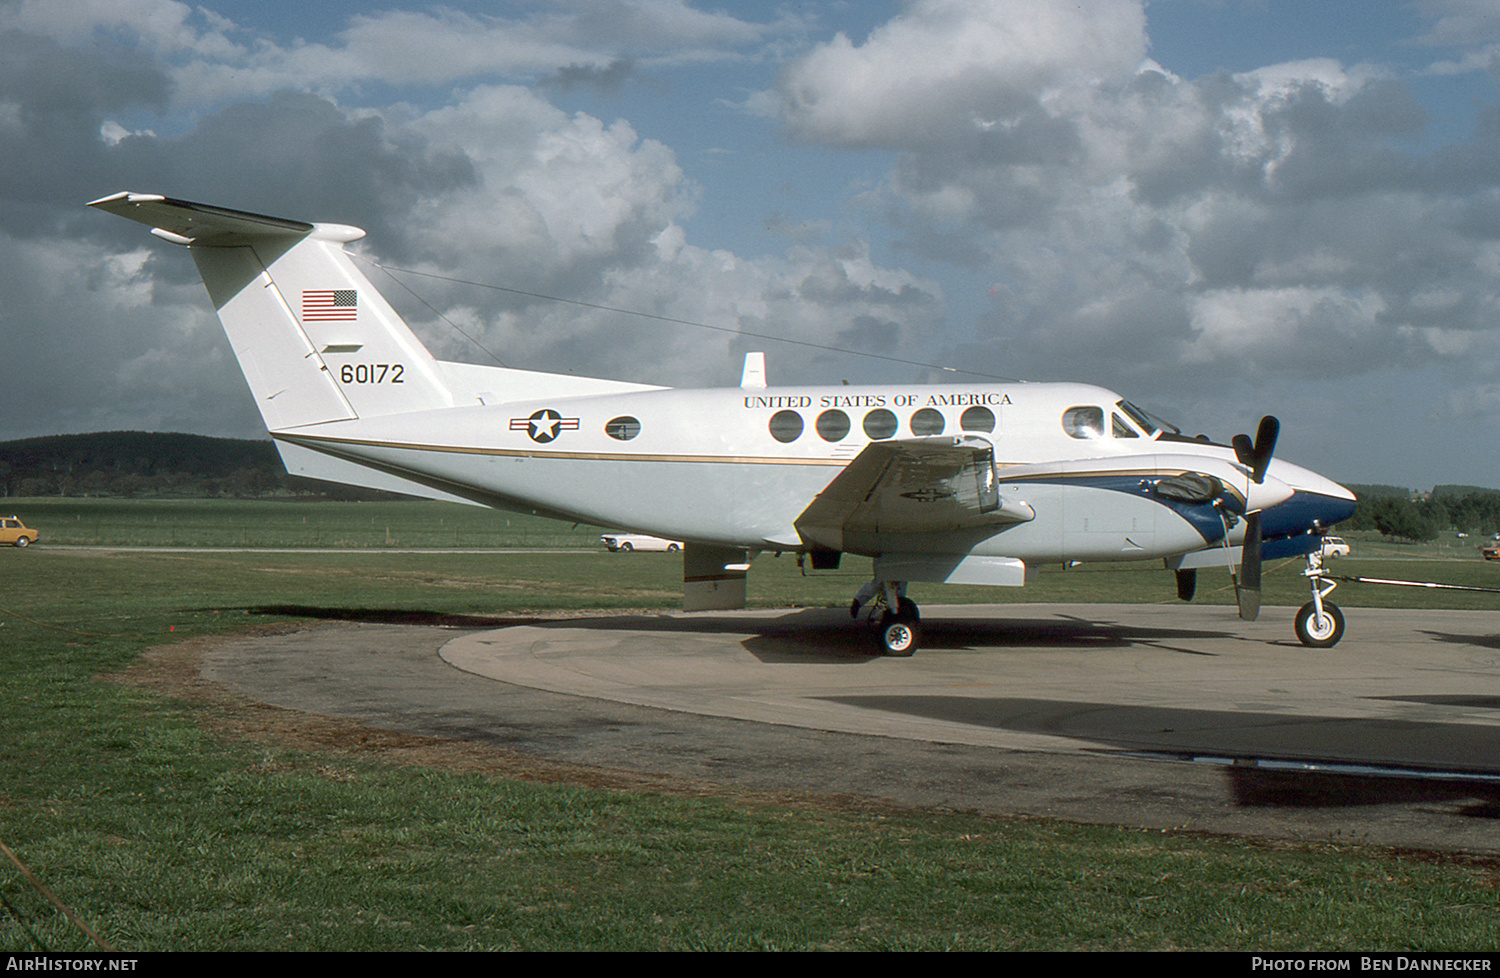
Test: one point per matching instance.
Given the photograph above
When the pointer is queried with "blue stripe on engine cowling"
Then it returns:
(1202, 517)
(1296, 526)
(1288, 529)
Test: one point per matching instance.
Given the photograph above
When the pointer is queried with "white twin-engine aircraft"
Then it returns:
(958, 483)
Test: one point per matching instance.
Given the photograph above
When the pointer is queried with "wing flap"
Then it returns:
(920, 485)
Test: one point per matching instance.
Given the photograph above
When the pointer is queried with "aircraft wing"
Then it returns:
(911, 486)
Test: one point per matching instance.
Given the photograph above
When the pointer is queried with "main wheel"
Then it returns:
(22, 542)
(899, 637)
(627, 546)
(1320, 631)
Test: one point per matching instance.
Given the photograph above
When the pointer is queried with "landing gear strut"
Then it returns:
(1319, 623)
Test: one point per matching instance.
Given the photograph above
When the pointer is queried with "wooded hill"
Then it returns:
(148, 464)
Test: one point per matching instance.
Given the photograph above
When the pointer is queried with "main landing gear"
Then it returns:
(1319, 623)
(897, 617)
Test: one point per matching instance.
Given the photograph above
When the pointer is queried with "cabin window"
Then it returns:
(622, 428)
(1084, 422)
(833, 425)
(880, 423)
(786, 426)
(977, 418)
(927, 422)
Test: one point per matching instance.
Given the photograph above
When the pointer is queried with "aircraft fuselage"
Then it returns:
(736, 467)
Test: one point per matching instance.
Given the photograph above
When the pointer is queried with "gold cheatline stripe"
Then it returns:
(313, 441)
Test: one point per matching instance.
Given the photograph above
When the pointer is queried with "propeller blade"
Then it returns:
(1247, 584)
(1256, 455)
(1187, 583)
(1265, 445)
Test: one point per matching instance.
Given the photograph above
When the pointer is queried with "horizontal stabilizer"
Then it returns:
(201, 224)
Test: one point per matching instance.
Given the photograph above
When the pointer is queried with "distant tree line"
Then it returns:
(146, 464)
(142, 464)
(1403, 515)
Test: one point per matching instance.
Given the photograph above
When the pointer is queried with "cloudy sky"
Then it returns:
(1219, 208)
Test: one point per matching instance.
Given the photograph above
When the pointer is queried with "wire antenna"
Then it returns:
(390, 270)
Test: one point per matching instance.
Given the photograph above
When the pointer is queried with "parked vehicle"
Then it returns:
(1491, 552)
(626, 542)
(1335, 547)
(16, 533)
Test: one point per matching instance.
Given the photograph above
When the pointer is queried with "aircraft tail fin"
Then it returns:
(314, 338)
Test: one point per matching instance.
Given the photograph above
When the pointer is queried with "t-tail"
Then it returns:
(316, 341)
(318, 344)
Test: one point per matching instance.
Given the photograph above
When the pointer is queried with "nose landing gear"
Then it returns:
(1319, 623)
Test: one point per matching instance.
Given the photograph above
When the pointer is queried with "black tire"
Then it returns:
(899, 637)
(672, 548)
(1319, 633)
(627, 546)
(23, 542)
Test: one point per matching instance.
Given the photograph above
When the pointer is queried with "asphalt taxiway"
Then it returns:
(1150, 716)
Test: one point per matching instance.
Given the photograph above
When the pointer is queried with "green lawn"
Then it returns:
(163, 835)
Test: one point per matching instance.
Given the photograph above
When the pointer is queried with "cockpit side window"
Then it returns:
(1121, 428)
(1085, 421)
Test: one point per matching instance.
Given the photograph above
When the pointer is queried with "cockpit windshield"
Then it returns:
(1149, 423)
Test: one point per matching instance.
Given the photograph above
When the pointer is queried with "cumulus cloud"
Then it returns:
(213, 60)
(951, 70)
(1077, 206)
(493, 185)
(1137, 224)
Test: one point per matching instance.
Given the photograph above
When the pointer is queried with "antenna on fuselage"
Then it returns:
(754, 376)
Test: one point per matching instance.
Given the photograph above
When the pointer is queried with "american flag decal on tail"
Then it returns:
(323, 305)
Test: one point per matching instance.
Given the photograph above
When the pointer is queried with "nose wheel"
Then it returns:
(1319, 623)
(1319, 628)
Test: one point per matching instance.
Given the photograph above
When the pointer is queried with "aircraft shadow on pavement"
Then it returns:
(1490, 641)
(795, 635)
(1241, 740)
(829, 635)
(387, 616)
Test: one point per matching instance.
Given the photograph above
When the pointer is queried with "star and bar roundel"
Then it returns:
(544, 425)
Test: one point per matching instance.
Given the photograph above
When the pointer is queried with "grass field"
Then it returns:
(164, 832)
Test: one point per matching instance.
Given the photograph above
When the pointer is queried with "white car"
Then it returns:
(1335, 547)
(626, 542)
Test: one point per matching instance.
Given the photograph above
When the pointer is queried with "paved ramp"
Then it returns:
(1155, 716)
(1404, 689)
